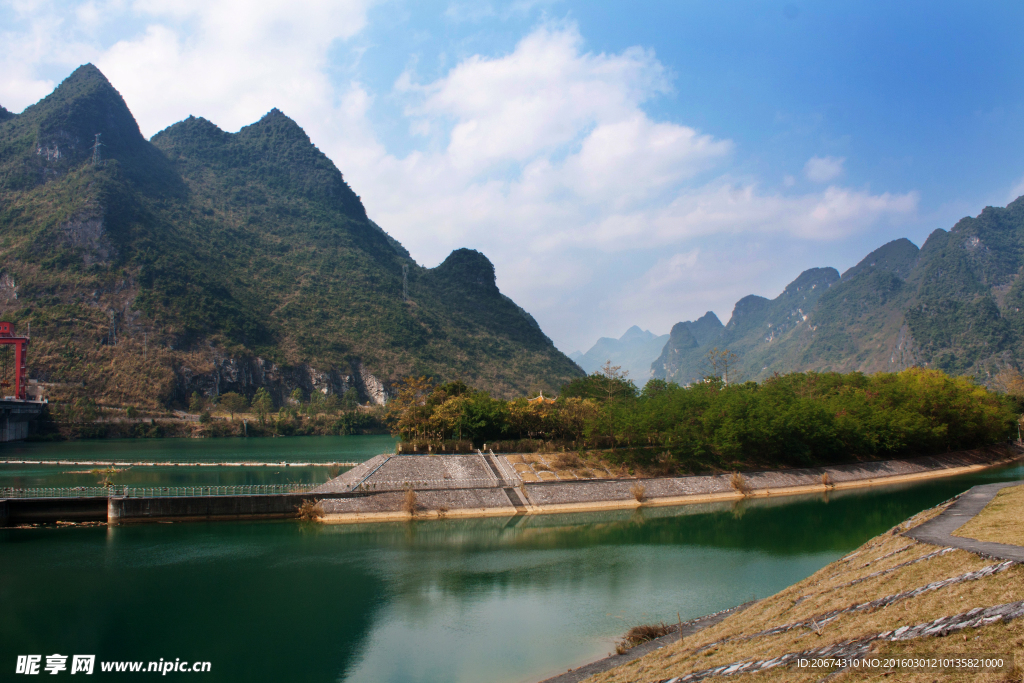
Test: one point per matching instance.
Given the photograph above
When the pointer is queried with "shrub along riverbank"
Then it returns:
(800, 419)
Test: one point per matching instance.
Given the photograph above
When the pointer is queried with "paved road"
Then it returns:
(938, 531)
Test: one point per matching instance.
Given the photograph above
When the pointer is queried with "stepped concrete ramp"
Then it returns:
(350, 479)
(459, 485)
(398, 472)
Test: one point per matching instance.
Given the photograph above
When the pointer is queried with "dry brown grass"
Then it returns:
(410, 504)
(567, 461)
(827, 590)
(525, 473)
(994, 639)
(311, 510)
(739, 482)
(826, 479)
(567, 465)
(642, 634)
(639, 492)
(1000, 521)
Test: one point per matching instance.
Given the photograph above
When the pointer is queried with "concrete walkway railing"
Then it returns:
(401, 485)
(153, 491)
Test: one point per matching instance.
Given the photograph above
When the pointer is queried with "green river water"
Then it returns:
(475, 601)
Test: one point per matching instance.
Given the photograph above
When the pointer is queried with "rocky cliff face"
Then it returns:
(683, 359)
(248, 374)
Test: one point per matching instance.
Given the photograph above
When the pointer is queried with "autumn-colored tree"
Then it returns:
(408, 412)
(448, 419)
(1009, 381)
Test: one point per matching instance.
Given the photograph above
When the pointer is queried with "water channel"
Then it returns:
(475, 601)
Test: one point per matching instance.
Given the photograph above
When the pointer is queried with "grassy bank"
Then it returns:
(876, 588)
(1000, 521)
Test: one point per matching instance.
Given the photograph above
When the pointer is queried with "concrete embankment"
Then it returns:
(483, 485)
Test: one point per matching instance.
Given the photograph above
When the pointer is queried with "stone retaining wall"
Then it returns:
(443, 471)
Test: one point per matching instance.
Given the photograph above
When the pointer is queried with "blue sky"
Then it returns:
(620, 164)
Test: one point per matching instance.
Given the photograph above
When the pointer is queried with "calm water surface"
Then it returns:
(291, 449)
(288, 449)
(501, 600)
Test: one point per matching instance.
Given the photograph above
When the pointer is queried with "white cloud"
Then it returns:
(543, 96)
(823, 169)
(1016, 191)
(232, 61)
(685, 285)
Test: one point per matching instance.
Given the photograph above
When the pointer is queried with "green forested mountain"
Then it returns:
(210, 261)
(761, 332)
(954, 305)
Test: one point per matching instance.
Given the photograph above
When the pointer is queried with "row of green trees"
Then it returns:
(262, 404)
(796, 419)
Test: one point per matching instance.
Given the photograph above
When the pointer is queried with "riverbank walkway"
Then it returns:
(938, 531)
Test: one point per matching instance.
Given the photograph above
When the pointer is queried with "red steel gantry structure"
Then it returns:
(20, 358)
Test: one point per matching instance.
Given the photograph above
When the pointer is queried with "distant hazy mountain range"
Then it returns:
(956, 304)
(210, 261)
(633, 352)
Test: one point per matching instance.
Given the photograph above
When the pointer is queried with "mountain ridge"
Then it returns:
(210, 261)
